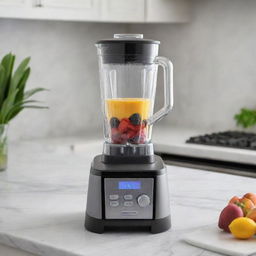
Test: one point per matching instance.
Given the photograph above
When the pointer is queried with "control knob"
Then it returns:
(143, 200)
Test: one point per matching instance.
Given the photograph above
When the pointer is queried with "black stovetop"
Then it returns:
(233, 139)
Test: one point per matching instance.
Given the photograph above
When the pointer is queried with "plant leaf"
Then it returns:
(22, 84)
(34, 106)
(18, 74)
(7, 63)
(2, 80)
(31, 92)
(246, 118)
(18, 107)
(7, 105)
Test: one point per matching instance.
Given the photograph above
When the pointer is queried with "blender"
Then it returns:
(128, 186)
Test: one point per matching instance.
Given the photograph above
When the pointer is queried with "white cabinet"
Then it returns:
(126, 11)
(77, 10)
(123, 10)
(66, 3)
(12, 2)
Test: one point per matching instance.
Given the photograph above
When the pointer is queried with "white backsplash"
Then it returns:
(214, 62)
(213, 55)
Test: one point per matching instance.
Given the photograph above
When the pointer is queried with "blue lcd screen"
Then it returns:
(129, 185)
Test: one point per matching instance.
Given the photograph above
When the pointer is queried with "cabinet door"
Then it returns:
(12, 2)
(167, 11)
(77, 10)
(88, 4)
(123, 10)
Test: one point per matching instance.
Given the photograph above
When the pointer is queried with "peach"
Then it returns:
(246, 205)
(251, 196)
(228, 214)
(234, 199)
(252, 214)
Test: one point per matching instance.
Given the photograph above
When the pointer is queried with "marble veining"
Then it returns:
(43, 198)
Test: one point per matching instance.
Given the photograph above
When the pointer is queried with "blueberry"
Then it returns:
(114, 122)
(134, 140)
(135, 119)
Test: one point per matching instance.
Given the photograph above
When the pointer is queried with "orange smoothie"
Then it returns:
(125, 107)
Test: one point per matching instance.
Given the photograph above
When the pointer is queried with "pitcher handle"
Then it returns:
(167, 66)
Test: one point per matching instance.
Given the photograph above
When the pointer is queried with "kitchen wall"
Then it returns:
(214, 61)
(213, 58)
(64, 61)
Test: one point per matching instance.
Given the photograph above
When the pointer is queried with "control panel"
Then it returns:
(129, 198)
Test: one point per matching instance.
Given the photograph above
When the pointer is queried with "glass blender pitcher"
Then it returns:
(128, 184)
(128, 74)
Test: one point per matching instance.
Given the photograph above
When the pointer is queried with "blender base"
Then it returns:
(127, 197)
(154, 226)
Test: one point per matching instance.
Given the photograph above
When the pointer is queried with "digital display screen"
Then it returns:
(129, 185)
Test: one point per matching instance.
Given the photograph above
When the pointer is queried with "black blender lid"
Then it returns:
(128, 48)
(128, 38)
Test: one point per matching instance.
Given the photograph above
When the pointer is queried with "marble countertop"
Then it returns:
(43, 198)
(171, 140)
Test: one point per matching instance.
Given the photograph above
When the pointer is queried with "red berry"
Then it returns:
(131, 134)
(132, 127)
(123, 126)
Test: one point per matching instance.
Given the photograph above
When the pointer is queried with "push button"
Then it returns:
(113, 197)
(128, 203)
(113, 203)
(128, 197)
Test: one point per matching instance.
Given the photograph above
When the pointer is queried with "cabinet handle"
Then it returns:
(38, 3)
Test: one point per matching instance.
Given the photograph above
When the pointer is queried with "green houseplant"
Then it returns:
(246, 118)
(13, 97)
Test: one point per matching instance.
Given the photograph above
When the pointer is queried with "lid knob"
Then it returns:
(128, 36)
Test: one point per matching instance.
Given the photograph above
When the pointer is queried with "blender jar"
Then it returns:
(128, 74)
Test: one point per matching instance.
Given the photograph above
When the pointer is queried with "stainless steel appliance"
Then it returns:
(128, 184)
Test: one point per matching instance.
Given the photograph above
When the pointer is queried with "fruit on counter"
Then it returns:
(251, 196)
(246, 205)
(131, 130)
(234, 199)
(246, 202)
(243, 228)
(252, 214)
(228, 214)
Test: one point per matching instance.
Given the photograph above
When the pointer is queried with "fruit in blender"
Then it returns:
(135, 119)
(114, 122)
(228, 214)
(252, 214)
(128, 116)
(242, 228)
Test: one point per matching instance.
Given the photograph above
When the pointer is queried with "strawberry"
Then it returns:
(132, 127)
(123, 126)
(131, 134)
